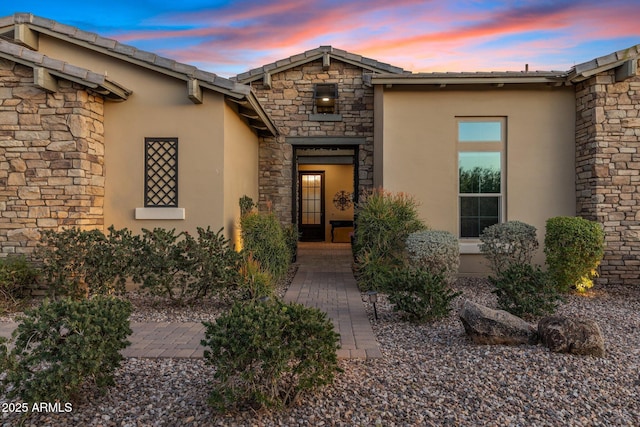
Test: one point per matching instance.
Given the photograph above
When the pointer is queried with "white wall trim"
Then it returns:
(160, 213)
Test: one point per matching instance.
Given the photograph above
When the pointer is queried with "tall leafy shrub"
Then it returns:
(264, 238)
(58, 347)
(574, 248)
(267, 354)
(435, 251)
(383, 222)
(509, 243)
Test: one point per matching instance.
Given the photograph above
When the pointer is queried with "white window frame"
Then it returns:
(469, 244)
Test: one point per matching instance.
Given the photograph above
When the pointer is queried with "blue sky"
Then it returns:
(230, 37)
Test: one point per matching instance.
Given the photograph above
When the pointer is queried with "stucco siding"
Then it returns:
(158, 107)
(420, 153)
(240, 169)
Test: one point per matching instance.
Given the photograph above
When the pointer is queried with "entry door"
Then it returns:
(311, 207)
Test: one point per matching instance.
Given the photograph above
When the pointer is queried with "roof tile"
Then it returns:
(144, 56)
(163, 62)
(32, 56)
(106, 43)
(11, 48)
(75, 71)
(52, 64)
(184, 68)
(125, 49)
(86, 36)
(64, 29)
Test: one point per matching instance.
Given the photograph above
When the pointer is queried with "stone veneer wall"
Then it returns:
(608, 170)
(289, 102)
(51, 158)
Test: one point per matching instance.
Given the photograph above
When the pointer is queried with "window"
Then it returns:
(161, 172)
(480, 174)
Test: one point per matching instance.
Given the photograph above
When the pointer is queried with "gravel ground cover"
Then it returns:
(430, 375)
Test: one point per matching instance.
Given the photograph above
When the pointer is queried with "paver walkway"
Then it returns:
(324, 280)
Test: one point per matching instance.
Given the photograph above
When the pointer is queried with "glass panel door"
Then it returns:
(311, 209)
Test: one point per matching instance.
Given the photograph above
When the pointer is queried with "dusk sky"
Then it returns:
(229, 37)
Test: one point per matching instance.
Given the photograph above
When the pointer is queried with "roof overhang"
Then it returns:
(624, 62)
(324, 53)
(555, 79)
(48, 70)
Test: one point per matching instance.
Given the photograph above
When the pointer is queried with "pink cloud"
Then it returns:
(408, 33)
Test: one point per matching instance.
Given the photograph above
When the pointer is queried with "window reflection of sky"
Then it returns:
(479, 131)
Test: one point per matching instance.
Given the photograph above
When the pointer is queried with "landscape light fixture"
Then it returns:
(373, 299)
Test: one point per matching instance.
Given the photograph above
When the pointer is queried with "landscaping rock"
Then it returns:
(486, 326)
(571, 335)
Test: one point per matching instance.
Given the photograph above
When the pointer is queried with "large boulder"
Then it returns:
(571, 335)
(487, 326)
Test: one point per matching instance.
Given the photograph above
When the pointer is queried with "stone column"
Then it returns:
(51, 158)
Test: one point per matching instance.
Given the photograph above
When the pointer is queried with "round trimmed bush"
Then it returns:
(266, 353)
(435, 251)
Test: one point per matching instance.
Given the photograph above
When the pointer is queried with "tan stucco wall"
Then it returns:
(240, 170)
(420, 152)
(160, 107)
(337, 178)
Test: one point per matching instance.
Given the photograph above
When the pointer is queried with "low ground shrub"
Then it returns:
(525, 290)
(266, 353)
(182, 267)
(264, 238)
(17, 276)
(61, 346)
(435, 251)
(79, 263)
(508, 243)
(383, 221)
(420, 295)
(574, 248)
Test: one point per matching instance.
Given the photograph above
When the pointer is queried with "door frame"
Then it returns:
(322, 143)
(322, 226)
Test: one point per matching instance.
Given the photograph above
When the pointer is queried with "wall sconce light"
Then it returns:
(325, 96)
(373, 299)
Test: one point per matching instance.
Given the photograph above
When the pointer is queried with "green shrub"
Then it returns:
(246, 205)
(292, 236)
(267, 353)
(574, 248)
(508, 243)
(264, 238)
(383, 221)
(184, 268)
(17, 276)
(420, 295)
(525, 290)
(79, 263)
(435, 251)
(60, 346)
(254, 281)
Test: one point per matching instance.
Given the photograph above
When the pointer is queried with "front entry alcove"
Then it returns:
(325, 188)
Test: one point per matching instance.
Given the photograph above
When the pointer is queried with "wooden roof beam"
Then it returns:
(25, 36)
(44, 80)
(326, 61)
(195, 91)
